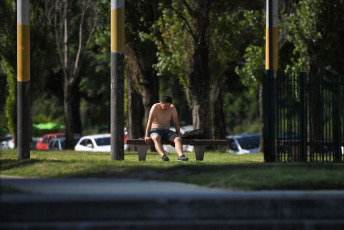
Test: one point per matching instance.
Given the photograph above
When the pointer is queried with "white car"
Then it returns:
(245, 143)
(7, 143)
(95, 143)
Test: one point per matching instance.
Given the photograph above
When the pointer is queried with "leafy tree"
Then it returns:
(228, 39)
(46, 75)
(142, 80)
(66, 19)
(252, 72)
(8, 58)
(11, 104)
(184, 52)
(316, 32)
(141, 17)
(94, 84)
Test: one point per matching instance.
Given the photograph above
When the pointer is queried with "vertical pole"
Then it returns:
(274, 58)
(336, 118)
(269, 132)
(303, 117)
(23, 79)
(117, 79)
(271, 42)
(267, 116)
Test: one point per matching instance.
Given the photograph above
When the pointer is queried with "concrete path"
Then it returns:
(94, 203)
(98, 186)
(135, 188)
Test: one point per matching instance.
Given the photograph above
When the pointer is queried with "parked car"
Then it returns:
(43, 144)
(96, 143)
(245, 143)
(33, 143)
(58, 143)
(1, 140)
(7, 142)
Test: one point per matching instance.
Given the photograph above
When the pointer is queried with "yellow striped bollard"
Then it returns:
(117, 79)
(23, 79)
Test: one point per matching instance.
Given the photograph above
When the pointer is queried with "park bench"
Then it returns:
(198, 144)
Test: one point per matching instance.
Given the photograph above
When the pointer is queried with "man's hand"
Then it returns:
(148, 140)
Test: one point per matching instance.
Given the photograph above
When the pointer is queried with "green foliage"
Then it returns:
(10, 106)
(225, 38)
(241, 112)
(311, 35)
(302, 33)
(251, 73)
(8, 44)
(315, 30)
(175, 47)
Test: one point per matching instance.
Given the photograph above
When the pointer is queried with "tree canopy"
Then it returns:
(208, 55)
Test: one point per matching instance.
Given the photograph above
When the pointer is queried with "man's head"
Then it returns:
(166, 99)
(166, 102)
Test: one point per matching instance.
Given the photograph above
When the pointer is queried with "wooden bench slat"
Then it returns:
(199, 146)
(184, 142)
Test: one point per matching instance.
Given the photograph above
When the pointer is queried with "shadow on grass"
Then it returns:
(256, 176)
(156, 172)
(8, 164)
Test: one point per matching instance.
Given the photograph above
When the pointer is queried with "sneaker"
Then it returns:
(182, 158)
(165, 158)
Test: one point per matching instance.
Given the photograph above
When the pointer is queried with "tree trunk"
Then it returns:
(58, 14)
(135, 114)
(217, 111)
(143, 78)
(68, 109)
(72, 114)
(150, 96)
(76, 109)
(198, 88)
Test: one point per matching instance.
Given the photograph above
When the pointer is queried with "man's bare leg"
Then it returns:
(157, 143)
(177, 143)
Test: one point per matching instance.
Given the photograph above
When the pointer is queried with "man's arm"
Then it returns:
(149, 124)
(176, 121)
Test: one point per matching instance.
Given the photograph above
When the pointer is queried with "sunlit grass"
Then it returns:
(245, 172)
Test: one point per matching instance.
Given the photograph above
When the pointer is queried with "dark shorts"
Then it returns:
(164, 134)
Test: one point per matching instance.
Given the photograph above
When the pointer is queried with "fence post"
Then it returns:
(336, 119)
(303, 117)
(268, 116)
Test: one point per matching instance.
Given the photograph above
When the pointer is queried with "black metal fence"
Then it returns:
(306, 117)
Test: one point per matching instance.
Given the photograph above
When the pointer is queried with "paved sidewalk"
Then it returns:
(99, 186)
(95, 203)
(135, 188)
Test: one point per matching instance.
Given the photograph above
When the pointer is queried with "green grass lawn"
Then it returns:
(237, 172)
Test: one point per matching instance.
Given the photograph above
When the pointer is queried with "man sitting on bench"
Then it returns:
(158, 127)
